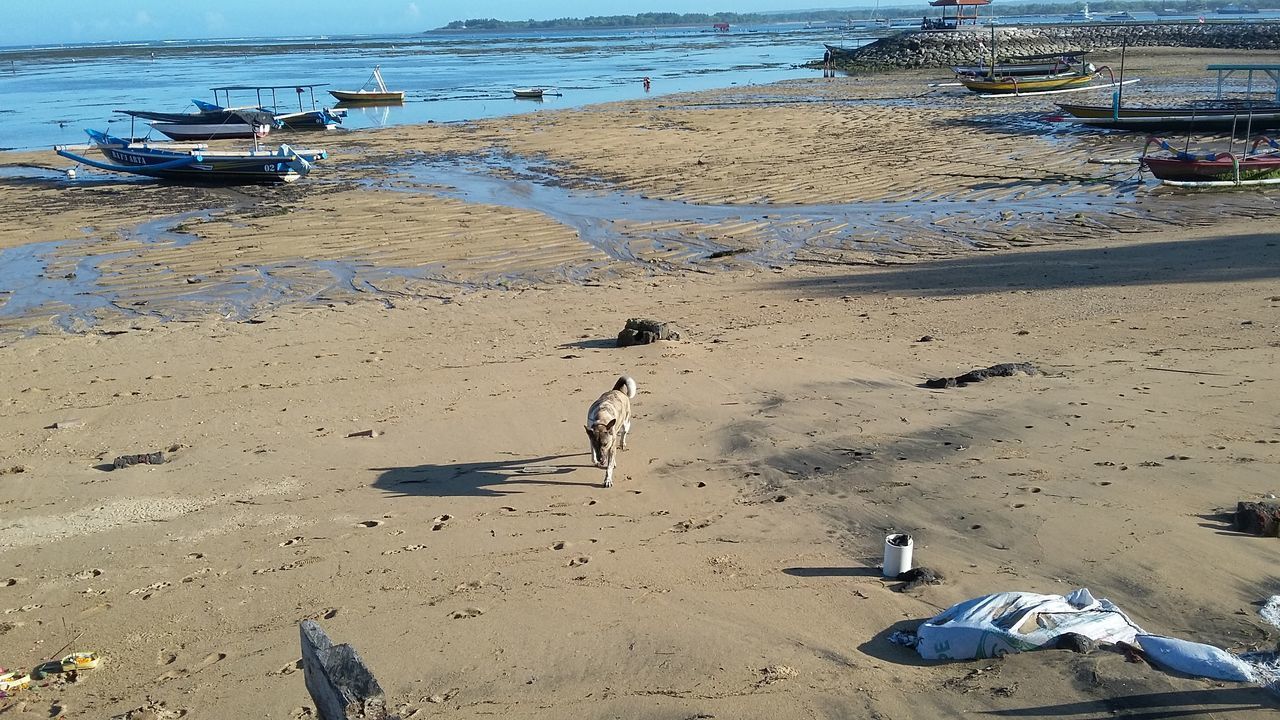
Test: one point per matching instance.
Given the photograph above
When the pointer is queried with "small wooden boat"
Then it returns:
(315, 118)
(1023, 66)
(1026, 85)
(374, 92)
(196, 162)
(1218, 116)
(1214, 170)
(528, 93)
(215, 124)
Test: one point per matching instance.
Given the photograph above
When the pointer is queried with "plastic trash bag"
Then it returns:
(1195, 659)
(1010, 622)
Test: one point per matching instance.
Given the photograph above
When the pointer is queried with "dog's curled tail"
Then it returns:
(627, 385)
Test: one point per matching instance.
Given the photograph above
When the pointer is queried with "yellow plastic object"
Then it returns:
(11, 681)
(80, 661)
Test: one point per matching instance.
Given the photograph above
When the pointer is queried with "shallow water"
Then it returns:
(50, 96)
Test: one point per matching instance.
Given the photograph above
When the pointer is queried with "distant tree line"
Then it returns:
(664, 19)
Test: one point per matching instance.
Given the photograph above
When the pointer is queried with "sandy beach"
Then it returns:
(825, 245)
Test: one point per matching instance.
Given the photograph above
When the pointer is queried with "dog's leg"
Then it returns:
(608, 473)
(595, 455)
(626, 428)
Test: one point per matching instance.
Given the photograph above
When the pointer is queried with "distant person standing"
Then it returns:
(828, 64)
(646, 84)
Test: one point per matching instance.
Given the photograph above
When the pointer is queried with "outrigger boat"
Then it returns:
(379, 94)
(1217, 114)
(219, 124)
(1076, 77)
(528, 93)
(1028, 85)
(196, 162)
(1209, 117)
(1050, 64)
(1212, 170)
(317, 118)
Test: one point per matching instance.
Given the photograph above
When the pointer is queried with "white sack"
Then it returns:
(993, 625)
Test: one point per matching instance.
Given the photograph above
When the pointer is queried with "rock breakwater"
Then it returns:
(942, 49)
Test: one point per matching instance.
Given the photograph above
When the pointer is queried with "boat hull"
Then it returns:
(211, 131)
(1106, 111)
(1219, 172)
(309, 120)
(368, 98)
(1012, 69)
(1020, 86)
(196, 164)
(528, 93)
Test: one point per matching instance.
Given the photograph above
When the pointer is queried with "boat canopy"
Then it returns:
(966, 10)
(1227, 70)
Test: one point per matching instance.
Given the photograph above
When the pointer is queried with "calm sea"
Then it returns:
(49, 95)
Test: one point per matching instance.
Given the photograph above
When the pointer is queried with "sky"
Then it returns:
(39, 22)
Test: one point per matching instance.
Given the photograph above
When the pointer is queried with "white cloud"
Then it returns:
(142, 18)
(412, 10)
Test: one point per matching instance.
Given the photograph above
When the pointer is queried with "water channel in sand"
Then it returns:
(36, 283)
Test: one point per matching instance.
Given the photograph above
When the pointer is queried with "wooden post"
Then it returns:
(340, 684)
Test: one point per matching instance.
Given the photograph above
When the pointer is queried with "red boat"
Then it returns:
(1214, 169)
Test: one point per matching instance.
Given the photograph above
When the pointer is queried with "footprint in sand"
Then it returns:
(152, 589)
(153, 710)
(10, 582)
(195, 556)
(406, 548)
(291, 542)
(86, 574)
(691, 524)
(206, 662)
(369, 524)
(302, 713)
(580, 560)
(467, 614)
(439, 521)
(289, 669)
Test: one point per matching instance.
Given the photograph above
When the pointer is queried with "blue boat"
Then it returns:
(196, 163)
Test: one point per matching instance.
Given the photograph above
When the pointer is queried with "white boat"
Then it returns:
(374, 91)
(528, 93)
(1080, 15)
(1122, 16)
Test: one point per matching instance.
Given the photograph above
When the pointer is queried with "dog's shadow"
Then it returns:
(484, 479)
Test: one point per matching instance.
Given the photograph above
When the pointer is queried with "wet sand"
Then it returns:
(456, 288)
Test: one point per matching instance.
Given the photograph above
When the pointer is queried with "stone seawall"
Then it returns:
(942, 49)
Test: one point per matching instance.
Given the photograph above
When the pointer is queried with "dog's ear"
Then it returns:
(588, 429)
(612, 422)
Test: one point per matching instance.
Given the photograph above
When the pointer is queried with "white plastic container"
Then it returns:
(897, 554)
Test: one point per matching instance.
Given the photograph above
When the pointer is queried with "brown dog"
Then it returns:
(608, 422)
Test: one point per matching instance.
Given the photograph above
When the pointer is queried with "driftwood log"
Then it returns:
(973, 376)
(340, 684)
(642, 332)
